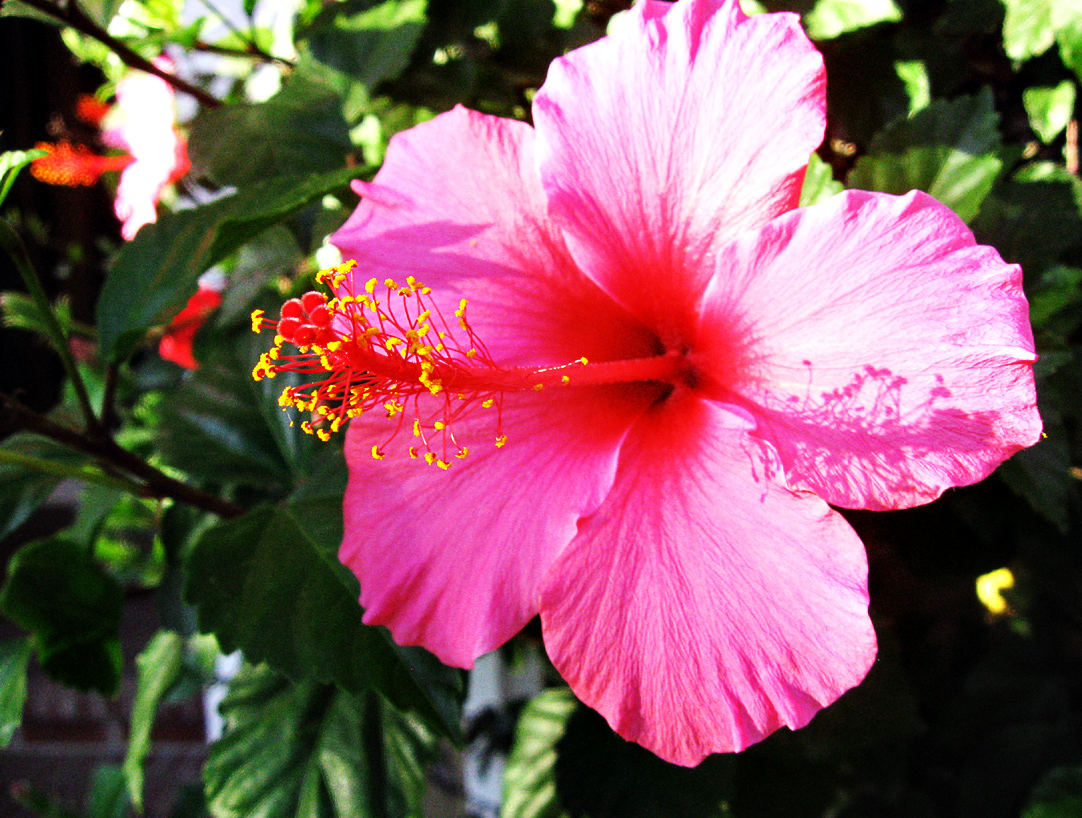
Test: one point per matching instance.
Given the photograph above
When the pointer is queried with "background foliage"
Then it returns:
(195, 486)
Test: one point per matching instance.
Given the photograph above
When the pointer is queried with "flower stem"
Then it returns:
(13, 245)
(72, 15)
(150, 481)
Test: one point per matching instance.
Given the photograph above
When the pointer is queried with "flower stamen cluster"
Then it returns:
(390, 353)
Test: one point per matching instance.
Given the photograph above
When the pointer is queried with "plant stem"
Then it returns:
(73, 16)
(251, 52)
(13, 245)
(86, 474)
(152, 482)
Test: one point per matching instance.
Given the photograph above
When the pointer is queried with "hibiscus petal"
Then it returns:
(672, 135)
(886, 356)
(458, 204)
(451, 560)
(705, 605)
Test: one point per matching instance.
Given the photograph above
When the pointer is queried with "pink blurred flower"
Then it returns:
(143, 123)
(686, 370)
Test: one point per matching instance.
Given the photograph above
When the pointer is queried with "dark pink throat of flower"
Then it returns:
(394, 354)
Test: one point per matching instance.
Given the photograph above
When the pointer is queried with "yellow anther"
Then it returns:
(413, 453)
(323, 435)
(390, 284)
(443, 464)
(487, 403)
(537, 387)
(583, 361)
(471, 353)
(391, 343)
(370, 286)
(439, 425)
(377, 454)
(565, 379)
(500, 441)
(461, 453)
(430, 458)
(257, 320)
(416, 428)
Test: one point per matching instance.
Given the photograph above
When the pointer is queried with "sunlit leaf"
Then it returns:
(1049, 109)
(819, 182)
(368, 42)
(529, 779)
(312, 750)
(158, 667)
(829, 18)
(948, 149)
(14, 658)
(1027, 28)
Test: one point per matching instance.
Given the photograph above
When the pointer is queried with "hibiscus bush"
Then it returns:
(717, 366)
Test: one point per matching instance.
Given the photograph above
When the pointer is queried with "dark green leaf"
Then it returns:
(107, 797)
(158, 666)
(1057, 795)
(299, 130)
(315, 751)
(14, 657)
(366, 41)
(948, 149)
(1034, 218)
(56, 591)
(153, 275)
(1041, 473)
(529, 779)
(600, 775)
(23, 487)
(270, 584)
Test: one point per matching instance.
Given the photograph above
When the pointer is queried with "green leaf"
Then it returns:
(1034, 218)
(220, 408)
(1057, 795)
(1069, 36)
(101, 11)
(1049, 109)
(1027, 28)
(1057, 288)
(30, 468)
(56, 591)
(819, 183)
(164, 261)
(270, 584)
(315, 751)
(107, 797)
(529, 779)
(158, 667)
(14, 658)
(948, 149)
(370, 43)
(830, 18)
(11, 162)
(298, 130)
(1041, 474)
(600, 775)
(14, 8)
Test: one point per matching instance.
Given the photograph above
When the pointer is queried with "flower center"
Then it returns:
(399, 354)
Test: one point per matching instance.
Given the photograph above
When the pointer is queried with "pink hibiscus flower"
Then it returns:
(686, 370)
